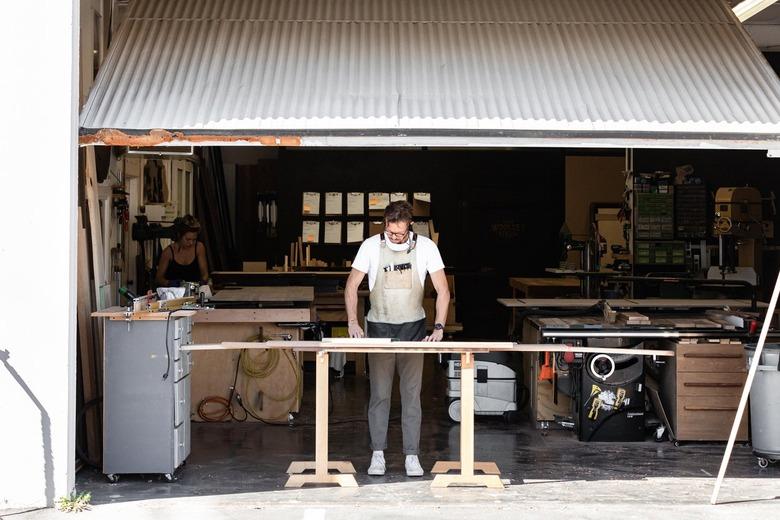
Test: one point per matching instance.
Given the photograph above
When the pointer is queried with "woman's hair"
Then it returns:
(398, 211)
(186, 224)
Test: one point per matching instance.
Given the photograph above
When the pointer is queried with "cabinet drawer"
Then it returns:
(706, 384)
(181, 401)
(182, 366)
(179, 442)
(711, 357)
(708, 418)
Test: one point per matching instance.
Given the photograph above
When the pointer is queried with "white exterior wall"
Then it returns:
(38, 179)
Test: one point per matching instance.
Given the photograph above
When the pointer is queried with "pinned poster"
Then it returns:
(333, 203)
(311, 203)
(311, 231)
(332, 232)
(421, 205)
(355, 203)
(398, 196)
(354, 232)
(377, 202)
(421, 228)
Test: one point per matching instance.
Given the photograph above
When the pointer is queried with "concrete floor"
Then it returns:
(238, 471)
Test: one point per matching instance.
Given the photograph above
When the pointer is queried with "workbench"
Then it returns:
(465, 467)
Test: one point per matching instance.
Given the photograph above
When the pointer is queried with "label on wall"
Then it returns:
(311, 203)
(311, 231)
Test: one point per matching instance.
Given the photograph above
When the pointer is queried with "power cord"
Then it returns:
(167, 348)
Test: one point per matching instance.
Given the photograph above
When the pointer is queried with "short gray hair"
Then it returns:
(398, 211)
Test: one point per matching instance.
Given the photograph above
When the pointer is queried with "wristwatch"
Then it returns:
(438, 326)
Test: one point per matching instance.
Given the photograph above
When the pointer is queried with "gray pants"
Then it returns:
(382, 372)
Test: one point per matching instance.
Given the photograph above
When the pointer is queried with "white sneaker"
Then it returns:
(413, 468)
(377, 467)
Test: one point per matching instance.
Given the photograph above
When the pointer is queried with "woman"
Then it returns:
(185, 258)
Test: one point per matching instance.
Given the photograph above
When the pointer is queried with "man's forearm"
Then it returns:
(442, 306)
(350, 302)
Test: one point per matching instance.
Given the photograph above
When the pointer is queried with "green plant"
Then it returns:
(75, 503)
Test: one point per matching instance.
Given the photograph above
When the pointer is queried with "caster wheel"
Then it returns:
(676, 444)
(763, 463)
(169, 477)
(772, 461)
(454, 411)
(113, 478)
(510, 417)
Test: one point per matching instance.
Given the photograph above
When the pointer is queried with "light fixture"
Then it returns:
(750, 8)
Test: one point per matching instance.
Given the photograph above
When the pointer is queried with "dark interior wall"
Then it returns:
(498, 212)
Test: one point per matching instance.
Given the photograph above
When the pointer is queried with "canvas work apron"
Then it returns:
(397, 294)
(396, 312)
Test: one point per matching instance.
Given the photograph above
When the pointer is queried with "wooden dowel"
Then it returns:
(746, 391)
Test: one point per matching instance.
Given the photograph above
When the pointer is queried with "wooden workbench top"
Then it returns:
(387, 346)
(265, 294)
(658, 303)
(523, 283)
(120, 313)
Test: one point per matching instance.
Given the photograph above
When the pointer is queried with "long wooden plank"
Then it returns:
(625, 304)
(89, 382)
(95, 227)
(433, 347)
(266, 294)
(252, 315)
(746, 391)
(119, 314)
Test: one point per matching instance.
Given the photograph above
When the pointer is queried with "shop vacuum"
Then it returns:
(495, 386)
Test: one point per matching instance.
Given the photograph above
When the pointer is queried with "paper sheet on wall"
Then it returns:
(311, 231)
(378, 201)
(424, 197)
(332, 232)
(355, 203)
(311, 203)
(421, 228)
(398, 196)
(354, 232)
(333, 203)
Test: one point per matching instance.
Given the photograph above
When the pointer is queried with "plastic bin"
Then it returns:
(765, 404)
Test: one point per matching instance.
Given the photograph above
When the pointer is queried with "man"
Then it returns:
(396, 262)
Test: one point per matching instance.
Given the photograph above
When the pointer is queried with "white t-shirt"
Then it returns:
(367, 259)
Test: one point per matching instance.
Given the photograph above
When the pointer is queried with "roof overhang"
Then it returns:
(495, 73)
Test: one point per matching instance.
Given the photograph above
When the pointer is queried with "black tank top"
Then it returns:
(177, 271)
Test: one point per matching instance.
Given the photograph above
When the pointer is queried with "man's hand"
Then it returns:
(354, 330)
(436, 335)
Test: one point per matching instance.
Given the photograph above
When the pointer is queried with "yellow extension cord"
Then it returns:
(257, 368)
(261, 366)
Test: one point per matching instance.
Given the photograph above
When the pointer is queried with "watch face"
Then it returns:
(438, 326)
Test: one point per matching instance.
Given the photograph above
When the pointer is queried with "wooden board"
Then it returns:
(265, 294)
(88, 362)
(119, 313)
(625, 303)
(577, 303)
(252, 315)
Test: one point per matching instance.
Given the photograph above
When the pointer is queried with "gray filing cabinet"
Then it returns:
(146, 418)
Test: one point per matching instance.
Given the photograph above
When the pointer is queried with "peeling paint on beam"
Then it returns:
(113, 137)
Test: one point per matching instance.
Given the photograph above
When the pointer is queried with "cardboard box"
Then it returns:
(255, 267)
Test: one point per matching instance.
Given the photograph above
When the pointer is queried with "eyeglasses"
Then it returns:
(397, 235)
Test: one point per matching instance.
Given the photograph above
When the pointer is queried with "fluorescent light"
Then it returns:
(749, 8)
